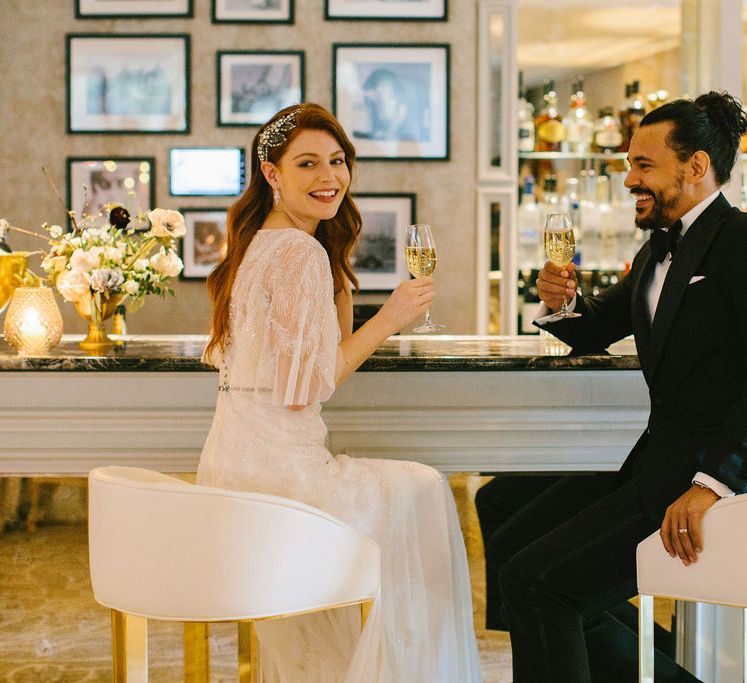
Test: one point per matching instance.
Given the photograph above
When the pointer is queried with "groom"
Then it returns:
(685, 300)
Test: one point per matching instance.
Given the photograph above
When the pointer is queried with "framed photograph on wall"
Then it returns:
(132, 9)
(204, 243)
(382, 10)
(127, 83)
(206, 171)
(393, 100)
(379, 256)
(252, 86)
(253, 11)
(93, 183)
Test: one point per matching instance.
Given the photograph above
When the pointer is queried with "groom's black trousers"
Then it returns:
(560, 566)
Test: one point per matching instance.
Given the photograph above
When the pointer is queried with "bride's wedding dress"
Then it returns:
(282, 350)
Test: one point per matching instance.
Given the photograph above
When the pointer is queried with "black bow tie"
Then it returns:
(664, 242)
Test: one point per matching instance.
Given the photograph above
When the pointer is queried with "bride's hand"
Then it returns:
(408, 302)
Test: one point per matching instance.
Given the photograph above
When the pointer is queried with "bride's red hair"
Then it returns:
(246, 215)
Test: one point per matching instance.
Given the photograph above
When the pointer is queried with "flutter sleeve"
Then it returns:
(303, 328)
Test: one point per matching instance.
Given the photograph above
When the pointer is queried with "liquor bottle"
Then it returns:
(607, 134)
(590, 220)
(548, 124)
(119, 324)
(579, 126)
(629, 240)
(573, 200)
(636, 112)
(525, 118)
(607, 230)
(624, 109)
(528, 219)
(4, 228)
(550, 199)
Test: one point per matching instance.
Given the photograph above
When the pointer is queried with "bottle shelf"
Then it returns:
(573, 156)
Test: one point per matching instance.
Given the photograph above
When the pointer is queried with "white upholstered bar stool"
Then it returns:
(161, 548)
(719, 576)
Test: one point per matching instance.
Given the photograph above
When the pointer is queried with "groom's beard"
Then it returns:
(664, 202)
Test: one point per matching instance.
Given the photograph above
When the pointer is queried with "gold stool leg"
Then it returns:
(365, 611)
(248, 653)
(33, 514)
(196, 652)
(129, 648)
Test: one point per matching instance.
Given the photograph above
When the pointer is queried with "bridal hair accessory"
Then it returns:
(275, 134)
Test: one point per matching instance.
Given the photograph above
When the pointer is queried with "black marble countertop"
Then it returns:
(181, 353)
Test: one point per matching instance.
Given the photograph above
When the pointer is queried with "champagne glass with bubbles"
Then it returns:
(560, 246)
(420, 250)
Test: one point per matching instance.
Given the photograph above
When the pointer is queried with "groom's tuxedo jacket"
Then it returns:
(693, 355)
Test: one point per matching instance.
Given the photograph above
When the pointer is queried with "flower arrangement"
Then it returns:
(114, 258)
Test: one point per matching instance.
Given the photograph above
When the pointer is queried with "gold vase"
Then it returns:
(12, 269)
(99, 310)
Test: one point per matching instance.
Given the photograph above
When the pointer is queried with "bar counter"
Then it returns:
(398, 354)
(470, 404)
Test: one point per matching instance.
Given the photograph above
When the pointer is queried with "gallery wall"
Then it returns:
(32, 133)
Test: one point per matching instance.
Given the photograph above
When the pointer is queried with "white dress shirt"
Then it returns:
(654, 292)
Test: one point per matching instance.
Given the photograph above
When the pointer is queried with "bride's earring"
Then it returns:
(276, 197)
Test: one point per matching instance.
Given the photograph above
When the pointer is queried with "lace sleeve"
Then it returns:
(302, 323)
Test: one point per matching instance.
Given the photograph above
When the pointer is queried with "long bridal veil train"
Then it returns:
(282, 351)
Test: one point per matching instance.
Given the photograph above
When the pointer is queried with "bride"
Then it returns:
(282, 340)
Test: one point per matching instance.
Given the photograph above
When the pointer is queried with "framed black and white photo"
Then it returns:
(379, 257)
(132, 9)
(127, 83)
(206, 171)
(382, 10)
(393, 100)
(253, 86)
(94, 183)
(253, 11)
(204, 243)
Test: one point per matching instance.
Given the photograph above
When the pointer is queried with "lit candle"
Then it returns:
(33, 334)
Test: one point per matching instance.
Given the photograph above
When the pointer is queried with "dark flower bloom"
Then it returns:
(119, 217)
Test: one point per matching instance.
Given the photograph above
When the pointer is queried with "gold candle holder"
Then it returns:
(33, 323)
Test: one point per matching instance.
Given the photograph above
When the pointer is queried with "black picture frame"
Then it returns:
(121, 9)
(382, 10)
(382, 241)
(418, 75)
(222, 176)
(286, 63)
(203, 243)
(105, 180)
(126, 62)
(252, 15)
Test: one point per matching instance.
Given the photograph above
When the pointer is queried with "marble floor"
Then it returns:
(52, 631)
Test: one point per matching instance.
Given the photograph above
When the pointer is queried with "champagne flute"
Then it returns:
(420, 251)
(560, 246)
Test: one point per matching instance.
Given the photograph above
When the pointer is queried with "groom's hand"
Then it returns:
(680, 530)
(555, 283)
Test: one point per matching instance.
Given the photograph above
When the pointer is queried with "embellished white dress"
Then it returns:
(282, 351)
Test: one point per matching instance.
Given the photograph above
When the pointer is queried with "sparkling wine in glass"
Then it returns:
(420, 252)
(560, 246)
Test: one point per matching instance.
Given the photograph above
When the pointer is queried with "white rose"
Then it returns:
(131, 287)
(167, 263)
(114, 254)
(83, 260)
(140, 264)
(55, 231)
(166, 223)
(73, 285)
